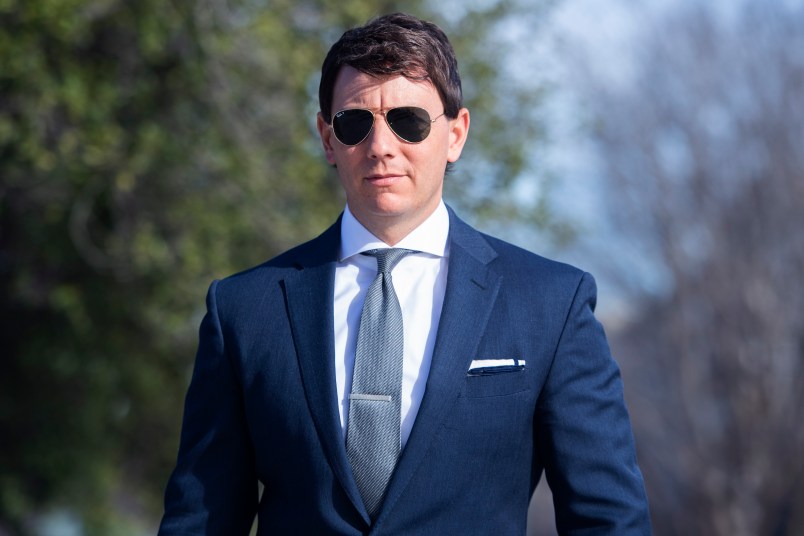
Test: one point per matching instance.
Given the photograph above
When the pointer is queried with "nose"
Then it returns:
(381, 141)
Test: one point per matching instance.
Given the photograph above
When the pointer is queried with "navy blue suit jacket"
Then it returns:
(262, 407)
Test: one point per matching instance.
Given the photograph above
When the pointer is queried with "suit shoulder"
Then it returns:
(512, 257)
(521, 268)
(320, 250)
(532, 277)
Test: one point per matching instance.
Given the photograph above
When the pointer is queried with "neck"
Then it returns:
(391, 233)
(392, 229)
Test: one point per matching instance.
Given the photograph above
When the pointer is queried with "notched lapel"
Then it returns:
(471, 291)
(311, 317)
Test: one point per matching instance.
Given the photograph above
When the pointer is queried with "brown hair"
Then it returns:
(396, 44)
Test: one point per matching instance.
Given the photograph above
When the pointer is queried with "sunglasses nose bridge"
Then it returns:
(373, 132)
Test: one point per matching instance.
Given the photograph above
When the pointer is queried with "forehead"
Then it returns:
(356, 89)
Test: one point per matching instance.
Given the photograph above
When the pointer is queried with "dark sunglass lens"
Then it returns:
(352, 126)
(410, 123)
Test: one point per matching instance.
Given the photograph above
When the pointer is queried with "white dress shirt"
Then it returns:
(419, 281)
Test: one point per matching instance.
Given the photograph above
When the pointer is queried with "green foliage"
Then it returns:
(146, 148)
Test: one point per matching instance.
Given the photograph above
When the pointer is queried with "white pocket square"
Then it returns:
(490, 365)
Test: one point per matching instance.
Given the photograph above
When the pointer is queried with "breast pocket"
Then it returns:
(499, 381)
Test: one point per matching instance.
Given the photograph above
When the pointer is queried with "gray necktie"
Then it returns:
(372, 436)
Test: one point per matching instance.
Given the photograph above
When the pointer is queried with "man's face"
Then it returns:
(391, 185)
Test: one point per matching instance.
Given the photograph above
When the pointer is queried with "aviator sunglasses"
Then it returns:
(409, 123)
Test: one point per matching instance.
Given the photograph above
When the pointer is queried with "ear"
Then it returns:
(458, 132)
(327, 138)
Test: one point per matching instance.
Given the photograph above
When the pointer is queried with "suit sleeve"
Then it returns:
(583, 433)
(213, 489)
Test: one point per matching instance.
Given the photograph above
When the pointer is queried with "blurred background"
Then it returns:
(149, 147)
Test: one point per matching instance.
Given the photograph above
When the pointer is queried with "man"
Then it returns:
(417, 390)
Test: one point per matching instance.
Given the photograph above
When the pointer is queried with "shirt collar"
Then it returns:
(429, 237)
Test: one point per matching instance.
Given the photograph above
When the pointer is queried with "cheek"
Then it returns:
(343, 158)
(347, 174)
(430, 163)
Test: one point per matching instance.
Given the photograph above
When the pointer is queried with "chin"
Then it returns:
(389, 212)
(389, 205)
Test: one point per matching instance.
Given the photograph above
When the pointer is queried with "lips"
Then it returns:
(383, 179)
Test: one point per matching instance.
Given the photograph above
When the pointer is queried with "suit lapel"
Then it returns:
(469, 298)
(471, 286)
(309, 294)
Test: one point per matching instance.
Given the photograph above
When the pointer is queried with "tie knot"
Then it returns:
(387, 258)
